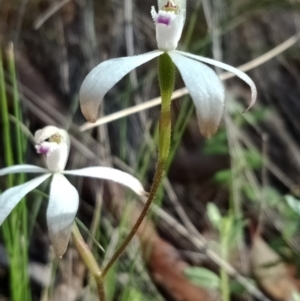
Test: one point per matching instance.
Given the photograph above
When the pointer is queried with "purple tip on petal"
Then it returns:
(43, 149)
(163, 20)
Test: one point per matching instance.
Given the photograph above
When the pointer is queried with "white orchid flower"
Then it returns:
(54, 143)
(203, 84)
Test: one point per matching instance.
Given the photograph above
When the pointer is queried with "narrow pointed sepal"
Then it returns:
(61, 212)
(12, 196)
(22, 168)
(206, 90)
(103, 77)
(242, 75)
(112, 174)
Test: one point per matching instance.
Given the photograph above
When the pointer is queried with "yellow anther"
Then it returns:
(57, 138)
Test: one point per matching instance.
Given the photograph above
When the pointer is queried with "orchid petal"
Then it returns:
(103, 77)
(243, 76)
(206, 90)
(12, 196)
(26, 168)
(61, 212)
(112, 174)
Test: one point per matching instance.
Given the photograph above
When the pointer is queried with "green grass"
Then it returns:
(15, 228)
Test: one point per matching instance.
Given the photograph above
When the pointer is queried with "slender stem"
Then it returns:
(166, 76)
(224, 285)
(156, 182)
(224, 235)
(89, 261)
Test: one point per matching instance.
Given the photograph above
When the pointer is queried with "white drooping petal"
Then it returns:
(12, 196)
(103, 77)
(169, 25)
(23, 168)
(56, 148)
(206, 90)
(229, 68)
(61, 212)
(108, 173)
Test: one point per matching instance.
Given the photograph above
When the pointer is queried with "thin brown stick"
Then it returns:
(48, 13)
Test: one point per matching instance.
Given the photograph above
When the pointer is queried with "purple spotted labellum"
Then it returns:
(163, 20)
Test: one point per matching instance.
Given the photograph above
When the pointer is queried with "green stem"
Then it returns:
(89, 261)
(224, 284)
(224, 233)
(166, 76)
